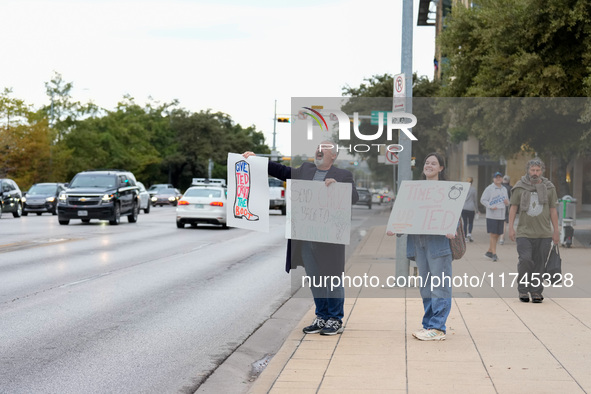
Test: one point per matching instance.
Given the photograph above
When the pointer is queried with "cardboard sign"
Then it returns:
(248, 193)
(428, 207)
(320, 213)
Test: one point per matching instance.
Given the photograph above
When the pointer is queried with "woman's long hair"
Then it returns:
(441, 162)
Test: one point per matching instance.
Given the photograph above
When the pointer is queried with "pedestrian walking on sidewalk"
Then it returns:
(535, 197)
(469, 210)
(507, 185)
(320, 260)
(495, 199)
(432, 254)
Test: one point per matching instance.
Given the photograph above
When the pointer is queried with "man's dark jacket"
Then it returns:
(332, 254)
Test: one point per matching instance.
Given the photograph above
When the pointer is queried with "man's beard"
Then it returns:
(533, 178)
(319, 159)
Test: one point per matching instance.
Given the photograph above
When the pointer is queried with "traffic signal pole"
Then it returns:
(274, 148)
(405, 156)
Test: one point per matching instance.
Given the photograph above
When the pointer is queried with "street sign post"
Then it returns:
(400, 92)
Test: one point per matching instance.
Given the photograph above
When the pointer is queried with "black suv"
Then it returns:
(10, 197)
(364, 197)
(103, 195)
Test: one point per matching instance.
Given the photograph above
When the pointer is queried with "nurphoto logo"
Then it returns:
(394, 121)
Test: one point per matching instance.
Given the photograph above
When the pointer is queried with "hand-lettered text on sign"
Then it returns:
(248, 192)
(428, 207)
(317, 212)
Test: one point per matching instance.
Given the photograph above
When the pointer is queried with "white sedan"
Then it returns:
(202, 204)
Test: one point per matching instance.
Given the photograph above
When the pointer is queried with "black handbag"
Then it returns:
(554, 265)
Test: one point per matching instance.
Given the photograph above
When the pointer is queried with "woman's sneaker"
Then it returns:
(315, 327)
(333, 326)
(414, 334)
(431, 334)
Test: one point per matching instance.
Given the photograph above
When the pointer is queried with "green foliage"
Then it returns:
(158, 143)
(458, 134)
(376, 93)
(523, 48)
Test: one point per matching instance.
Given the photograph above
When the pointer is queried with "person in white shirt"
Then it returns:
(495, 199)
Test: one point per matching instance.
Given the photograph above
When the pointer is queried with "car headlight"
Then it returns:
(107, 197)
(63, 197)
(171, 198)
(154, 199)
(50, 199)
(24, 199)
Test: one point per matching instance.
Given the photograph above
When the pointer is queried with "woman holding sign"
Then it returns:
(433, 257)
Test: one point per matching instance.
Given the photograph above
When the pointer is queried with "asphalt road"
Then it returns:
(142, 308)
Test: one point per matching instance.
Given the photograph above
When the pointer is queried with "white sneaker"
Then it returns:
(431, 335)
(501, 241)
(419, 332)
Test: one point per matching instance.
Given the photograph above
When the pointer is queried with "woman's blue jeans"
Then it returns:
(436, 278)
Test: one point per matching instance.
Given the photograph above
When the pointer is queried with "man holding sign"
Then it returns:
(321, 260)
(430, 212)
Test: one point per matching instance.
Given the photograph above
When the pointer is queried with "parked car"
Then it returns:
(153, 190)
(103, 195)
(42, 197)
(145, 202)
(168, 196)
(364, 197)
(10, 198)
(204, 202)
(277, 195)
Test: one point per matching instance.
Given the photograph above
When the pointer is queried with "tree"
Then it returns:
(522, 48)
(376, 93)
(159, 143)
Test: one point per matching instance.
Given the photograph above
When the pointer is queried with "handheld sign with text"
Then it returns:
(248, 193)
(316, 212)
(428, 207)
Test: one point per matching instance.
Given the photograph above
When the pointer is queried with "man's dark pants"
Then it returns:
(533, 253)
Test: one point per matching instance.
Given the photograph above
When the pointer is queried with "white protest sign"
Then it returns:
(316, 212)
(248, 192)
(428, 207)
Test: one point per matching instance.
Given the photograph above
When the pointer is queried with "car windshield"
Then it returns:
(38, 190)
(157, 187)
(167, 191)
(204, 192)
(274, 182)
(93, 181)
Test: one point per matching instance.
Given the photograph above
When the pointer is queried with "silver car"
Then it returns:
(145, 203)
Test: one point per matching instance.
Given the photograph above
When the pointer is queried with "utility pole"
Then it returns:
(274, 148)
(404, 157)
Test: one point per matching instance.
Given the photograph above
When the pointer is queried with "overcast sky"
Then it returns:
(233, 56)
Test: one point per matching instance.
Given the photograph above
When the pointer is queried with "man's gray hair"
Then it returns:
(535, 162)
(334, 148)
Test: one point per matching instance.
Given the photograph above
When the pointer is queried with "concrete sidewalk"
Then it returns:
(495, 343)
